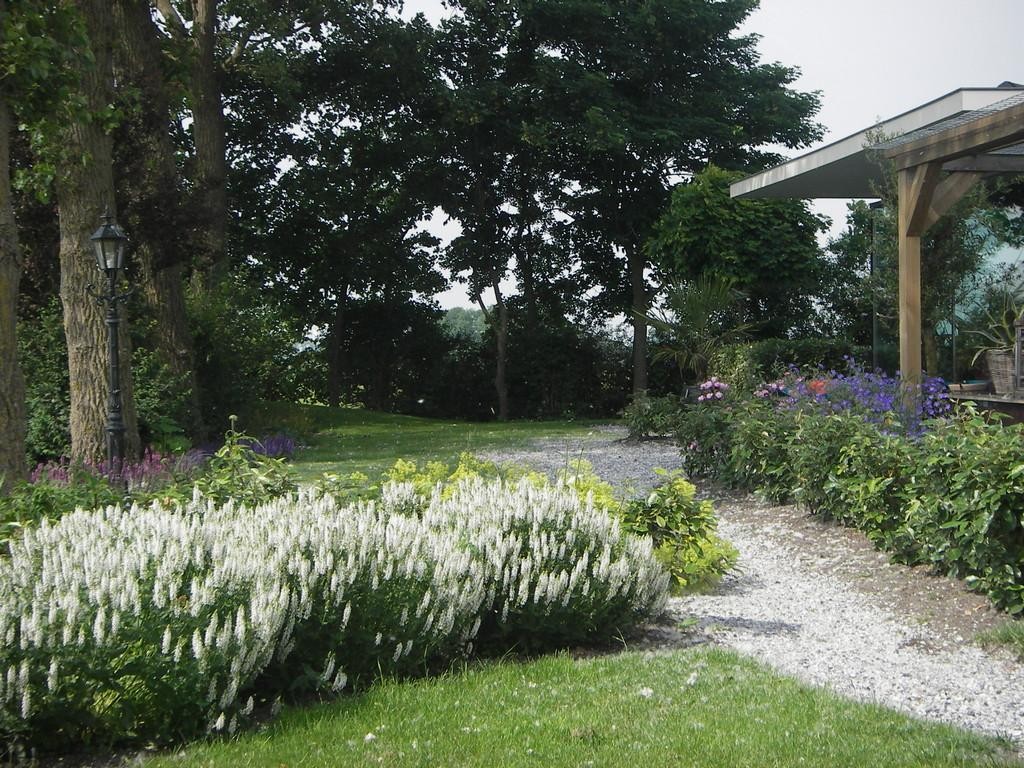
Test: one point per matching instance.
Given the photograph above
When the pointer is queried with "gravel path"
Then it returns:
(816, 601)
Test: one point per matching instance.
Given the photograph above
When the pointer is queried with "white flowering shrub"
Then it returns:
(158, 624)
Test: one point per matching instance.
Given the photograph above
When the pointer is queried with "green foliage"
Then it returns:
(683, 531)
(747, 365)
(28, 503)
(247, 350)
(237, 473)
(758, 456)
(161, 402)
(42, 352)
(767, 248)
(170, 622)
(705, 433)
(681, 527)
(814, 449)
(465, 323)
(699, 318)
(950, 498)
(963, 506)
(648, 417)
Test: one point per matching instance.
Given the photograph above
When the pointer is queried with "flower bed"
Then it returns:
(155, 624)
(929, 486)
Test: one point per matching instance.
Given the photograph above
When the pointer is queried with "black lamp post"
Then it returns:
(109, 242)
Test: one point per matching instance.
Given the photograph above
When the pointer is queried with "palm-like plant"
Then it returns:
(698, 318)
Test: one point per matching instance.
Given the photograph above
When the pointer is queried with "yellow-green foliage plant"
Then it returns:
(683, 530)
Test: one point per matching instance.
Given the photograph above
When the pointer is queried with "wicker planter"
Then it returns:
(1000, 369)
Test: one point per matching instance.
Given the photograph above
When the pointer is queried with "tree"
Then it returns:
(151, 195)
(39, 42)
(653, 90)
(12, 385)
(336, 232)
(768, 248)
(85, 190)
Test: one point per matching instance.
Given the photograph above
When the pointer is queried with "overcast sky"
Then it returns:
(873, 59)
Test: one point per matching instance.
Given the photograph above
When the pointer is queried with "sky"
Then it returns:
(872, 59)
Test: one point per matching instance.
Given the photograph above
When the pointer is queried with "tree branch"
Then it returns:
(171, 17)
(238, 49)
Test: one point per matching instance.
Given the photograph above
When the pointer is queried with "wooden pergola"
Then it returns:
(935, 170)
(939, 150)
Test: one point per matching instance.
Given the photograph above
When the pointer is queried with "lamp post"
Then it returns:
(109, 243)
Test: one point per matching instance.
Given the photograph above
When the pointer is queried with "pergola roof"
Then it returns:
(846, 169)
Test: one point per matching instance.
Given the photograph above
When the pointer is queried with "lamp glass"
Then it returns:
(108, 242)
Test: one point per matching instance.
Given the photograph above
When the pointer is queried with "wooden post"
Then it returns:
(915, 189)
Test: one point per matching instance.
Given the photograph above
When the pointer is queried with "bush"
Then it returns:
(648, 417)
(681, 528)
(946, 492)
(154, 624)
(683, 531)
(745, 365)
(758, 457)
(244, 469)
(963, 505)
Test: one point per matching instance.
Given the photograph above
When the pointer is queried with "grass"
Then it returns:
(1010, 634)
(685, 708)
(346, 440)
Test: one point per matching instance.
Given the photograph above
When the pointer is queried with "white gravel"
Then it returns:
(813, 623)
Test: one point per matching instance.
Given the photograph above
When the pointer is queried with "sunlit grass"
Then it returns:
(1010, 634)
(686, 708)
(345, 440)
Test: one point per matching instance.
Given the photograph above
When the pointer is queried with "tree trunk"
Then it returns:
(85, 189)
(336, 350)
(501, 364)
(640, 302)
(209, 135)
(12, 385)
(500, 326)
(155, 211)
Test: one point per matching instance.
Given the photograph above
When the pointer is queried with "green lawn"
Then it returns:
(693, 707)
(345, 440)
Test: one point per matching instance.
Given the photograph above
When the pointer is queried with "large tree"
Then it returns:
(39, 43)
(85, 190)
(155, 207)
(651, 91)
(12, 386)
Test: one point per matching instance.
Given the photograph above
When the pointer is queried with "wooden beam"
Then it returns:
(987, 164)
(948, 193)
(916, 186)
(992, 131)
(912, 204)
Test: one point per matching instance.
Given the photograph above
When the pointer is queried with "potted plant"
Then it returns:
(999, 342)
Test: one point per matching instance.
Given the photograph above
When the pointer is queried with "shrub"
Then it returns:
(964, 503)
(758, 456)
(243, 469)
(683, 531)
(156, 623)
(648, 417)
(704, 433)
(746, 365)
(681, 528)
